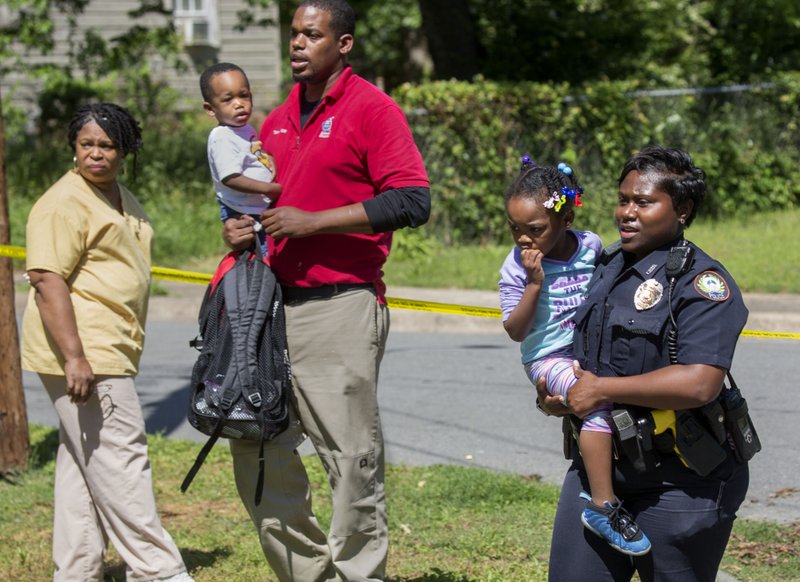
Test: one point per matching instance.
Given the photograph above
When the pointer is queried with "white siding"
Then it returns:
(257, 51)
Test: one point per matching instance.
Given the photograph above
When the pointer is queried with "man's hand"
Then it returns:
(238, 233)
(547, 403)
(289, 222)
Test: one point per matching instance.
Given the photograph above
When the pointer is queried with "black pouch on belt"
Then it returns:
(698, 448)
(714, 416)
(742, 432)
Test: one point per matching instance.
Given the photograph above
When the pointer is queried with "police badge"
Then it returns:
(647, 294)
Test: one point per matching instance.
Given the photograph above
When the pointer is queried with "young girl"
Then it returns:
(543, 280)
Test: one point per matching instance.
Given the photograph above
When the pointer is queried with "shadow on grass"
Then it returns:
(435, 575)
(193, 558)
(202, 559)
(43, 447)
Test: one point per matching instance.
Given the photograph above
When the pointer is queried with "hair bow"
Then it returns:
(555, 201)
(527, 162)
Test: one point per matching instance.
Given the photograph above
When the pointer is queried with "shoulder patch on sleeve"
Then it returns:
(712, 286)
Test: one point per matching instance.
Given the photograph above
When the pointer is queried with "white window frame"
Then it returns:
(197, 12)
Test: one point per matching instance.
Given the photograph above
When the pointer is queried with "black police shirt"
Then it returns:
(623, 325)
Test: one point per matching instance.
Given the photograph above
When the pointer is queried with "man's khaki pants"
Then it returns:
(335, 346)
(103, 486)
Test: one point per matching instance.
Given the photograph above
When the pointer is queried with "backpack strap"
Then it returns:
(262, 289)
(234, 285)
(259, 304)
(260, 477)
(248, 305)
(201, 456)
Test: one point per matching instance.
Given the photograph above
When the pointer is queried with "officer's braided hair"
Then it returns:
(672, 171)
(540, 182)
(213, 71)
(118, 123)
(343, 18)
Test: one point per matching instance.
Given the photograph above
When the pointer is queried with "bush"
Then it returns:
(472, 136)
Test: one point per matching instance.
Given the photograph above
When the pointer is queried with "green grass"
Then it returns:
(761, 252)
(447, 523)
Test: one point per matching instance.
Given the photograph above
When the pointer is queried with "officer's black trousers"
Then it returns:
(687, 518)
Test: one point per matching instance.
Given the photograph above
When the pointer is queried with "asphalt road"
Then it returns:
(462, 398)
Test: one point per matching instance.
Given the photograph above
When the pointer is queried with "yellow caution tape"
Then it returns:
(12, 252)
(429, 306)
(771, 334)
(180, 276)
(443, 307)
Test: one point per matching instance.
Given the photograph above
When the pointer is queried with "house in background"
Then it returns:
(208, 32)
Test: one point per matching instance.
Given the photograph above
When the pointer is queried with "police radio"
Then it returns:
(679, 260)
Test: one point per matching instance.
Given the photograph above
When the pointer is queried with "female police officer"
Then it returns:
(625, 357)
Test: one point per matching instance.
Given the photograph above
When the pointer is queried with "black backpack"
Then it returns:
(241, 382)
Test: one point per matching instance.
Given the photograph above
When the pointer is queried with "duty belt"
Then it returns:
(300, 294)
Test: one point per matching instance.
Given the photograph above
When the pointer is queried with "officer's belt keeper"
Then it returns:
(571, 428)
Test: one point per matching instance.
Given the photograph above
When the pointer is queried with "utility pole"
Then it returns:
(13, 420)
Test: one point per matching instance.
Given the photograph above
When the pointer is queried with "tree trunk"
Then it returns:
(13, 420)
(452, 41)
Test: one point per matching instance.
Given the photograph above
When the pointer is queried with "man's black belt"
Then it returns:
(299, 294)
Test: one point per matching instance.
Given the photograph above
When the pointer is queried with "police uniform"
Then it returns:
(622, 330)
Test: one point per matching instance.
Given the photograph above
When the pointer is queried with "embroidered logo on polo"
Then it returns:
(712, 286)
(647, 294)
(326, 127)
(279, 131)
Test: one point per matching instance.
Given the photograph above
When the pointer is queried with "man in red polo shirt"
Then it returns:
(351, 174)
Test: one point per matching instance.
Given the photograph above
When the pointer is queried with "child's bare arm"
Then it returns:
(247, 185)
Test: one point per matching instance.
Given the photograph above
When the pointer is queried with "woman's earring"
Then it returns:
(682, 220)
(74, 162)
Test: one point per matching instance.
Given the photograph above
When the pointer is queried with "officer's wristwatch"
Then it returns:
(542, 410)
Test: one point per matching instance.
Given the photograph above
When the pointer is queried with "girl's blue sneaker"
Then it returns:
(616, 526)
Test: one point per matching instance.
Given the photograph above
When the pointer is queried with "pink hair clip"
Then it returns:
(551, 202)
